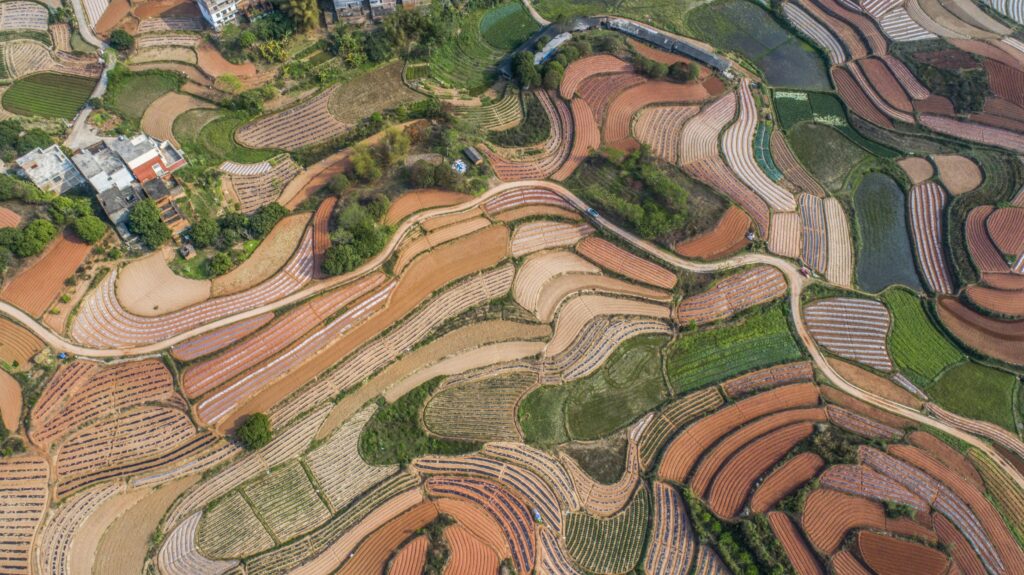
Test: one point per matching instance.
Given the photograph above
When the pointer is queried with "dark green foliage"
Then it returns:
(10, 445)
(64, 209)
(683, 71)
(437, 546)
(650, 68)
(533, 129)
(897, 510)
(795, 502)
(251, 101)
(835, 445)
(264, 220)
(524, 71)
(339, 184)
(747, 546)
(364, 164)
(357, 235)
(90, 228)
(947, 71)
(144, 220)
(12, 188)
(641, 194)
(121, 41)
(394, 434)
(220, 264)
(255, 432)
(204, 232)
(30, 240)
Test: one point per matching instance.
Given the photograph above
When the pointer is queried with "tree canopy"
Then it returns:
(144, 220)
(255, 432)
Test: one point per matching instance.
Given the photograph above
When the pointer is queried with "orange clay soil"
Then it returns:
(419, 200)
(890, 556)
(17, 344)
(428, 273)
(10, 401)
(1002, 340)
(875, 384)
(34, 288)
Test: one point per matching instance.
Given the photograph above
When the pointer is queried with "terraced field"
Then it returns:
(48, 95)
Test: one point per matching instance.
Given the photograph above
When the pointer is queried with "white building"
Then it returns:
(218, 12)
(50, 170)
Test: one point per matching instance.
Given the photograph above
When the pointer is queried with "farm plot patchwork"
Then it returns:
(851, 328)
(466, 61)
(610, 545)
(919, 350)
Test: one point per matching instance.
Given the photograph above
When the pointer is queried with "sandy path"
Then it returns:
(160, 115)
(10, 401)
(270, 256)
(149, 288)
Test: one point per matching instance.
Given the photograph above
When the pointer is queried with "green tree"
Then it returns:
(305, 14)
(364, 164)
(90, 228)
(395, 146)
(64, 209)
(264, 220)
(220, 264)
(421, 174)
(378, 206)
(340, 259)
(144, 220)
(255, 432)
(338, 185)
(524, 70)
(121, 41)
(553, 75)
(205, 232)
(230, 82)
(34, 238)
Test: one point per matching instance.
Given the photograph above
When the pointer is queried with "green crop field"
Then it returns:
(627, 386)
(48, 95)
(749, 30)
(978, 392)
(217, 140)
(466, 61)
(825, 152)
(507, 25)
(915, 344)
(132, 93)
(666, 14)
(884, 255)
(611, 545)
(759, 339)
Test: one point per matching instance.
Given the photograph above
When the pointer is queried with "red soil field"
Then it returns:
(686, 447)
(211, 62)
(829, 515)
(584, 68)
(855, 98)
(885, 83)
(984, 49)
(599, 91)
(287, 329)
(510, 165)
(888, 556)
(372, 554)
(939, 105)
(411, 558)
(727, 237)
(786, 479)
(959, 547)
(469, 555)
(1002, 302)
(154, 8)
(33, 289)
(712, 461)
(114, 13)
(617, 125)
(834, 396)
(906, 78)
(218, 339)
(713, 172)
(788, 534)
(1000, 339)
(1006, 228)
(987, 514)
(864, 25)
(322, 232)
(732, 485)
(418, 200)
(428, 273)
(983, 251)
(947, 455)
(478, 522)
(8, 218)
(17, 344)
(618, 260)
(844, 563)
(843, 32)
(652, 53)
(797, 372)
(586, 137)
(1006, 81)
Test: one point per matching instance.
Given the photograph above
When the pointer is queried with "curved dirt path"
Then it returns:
(797, 283)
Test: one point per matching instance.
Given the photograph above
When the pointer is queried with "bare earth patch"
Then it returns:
(868, 381)
(917, 169)
(160, 115)
(211, 62)
(10, 401)
(419, 200)
(959, 174)
(271, 255)
(148, 287)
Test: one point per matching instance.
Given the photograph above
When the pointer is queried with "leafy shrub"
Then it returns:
(255, 432)
(90, 228)
(144, 220)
